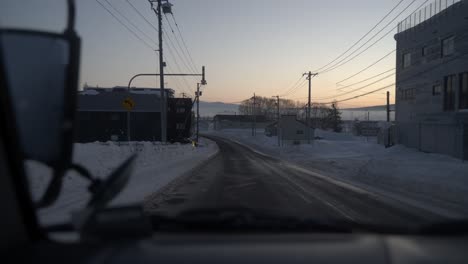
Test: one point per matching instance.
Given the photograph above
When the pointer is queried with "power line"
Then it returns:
(295, 90)
(176, 80)
(365, 35)
(171, 47)
(187, 88)
(370, 78)
(184, 57)
(130, 22)
(341, 63)
(372, 64)
(183, 41)
(291, 87)
(357, 89)
(177, 65)
(142, 16)
(124, 25)
(361, 95)
(407, 78)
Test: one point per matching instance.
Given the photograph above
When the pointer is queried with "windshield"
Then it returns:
(337, 113)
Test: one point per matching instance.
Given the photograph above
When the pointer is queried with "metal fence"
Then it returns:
(425, 13)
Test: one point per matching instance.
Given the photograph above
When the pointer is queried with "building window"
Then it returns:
(406, 60)
(448, 46)
(300, 132)
(463, 91)
(408, 94)
(180, 126)
(425, 51)
(436, 89)
(449, 93)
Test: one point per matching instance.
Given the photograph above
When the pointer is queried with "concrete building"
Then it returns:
(102, 115)
(432, 79)
(293, 131)
(239, 121)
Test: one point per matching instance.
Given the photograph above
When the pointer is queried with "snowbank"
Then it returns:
(156, 166)
(433, 181)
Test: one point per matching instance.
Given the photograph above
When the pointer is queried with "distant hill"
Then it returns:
(215, 108)
(371, 108)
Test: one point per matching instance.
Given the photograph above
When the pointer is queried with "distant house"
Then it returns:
(293, 131)
(432, 79)
(239, 121)
(271, 130)
(103, 116)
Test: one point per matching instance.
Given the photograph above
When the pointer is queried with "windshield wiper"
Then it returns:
(240, 219)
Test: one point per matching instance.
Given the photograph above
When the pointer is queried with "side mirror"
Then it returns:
(39, 71)
(41, 79)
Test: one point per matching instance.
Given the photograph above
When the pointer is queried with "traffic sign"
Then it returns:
(128, 103)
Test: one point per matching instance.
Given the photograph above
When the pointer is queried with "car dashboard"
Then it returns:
(254, 248)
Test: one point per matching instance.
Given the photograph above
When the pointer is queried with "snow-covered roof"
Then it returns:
(133, 90)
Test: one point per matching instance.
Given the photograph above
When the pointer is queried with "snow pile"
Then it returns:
(433, 181)
(157, 165)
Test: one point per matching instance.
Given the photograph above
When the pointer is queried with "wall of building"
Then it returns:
(101, 116)
(292, 131)
(112, 126)
(179, 118)
(421, 119)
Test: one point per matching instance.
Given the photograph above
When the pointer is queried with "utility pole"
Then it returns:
(164, 8)
(278, 118)
(309, 77)
(161, 74)
(254, 119)
(388, 106)
(198, 94)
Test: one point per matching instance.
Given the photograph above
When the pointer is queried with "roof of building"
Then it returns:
(429, 11)
(134, 90)
(111, 99)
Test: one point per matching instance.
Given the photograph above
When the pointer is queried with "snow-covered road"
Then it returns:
(432, 181)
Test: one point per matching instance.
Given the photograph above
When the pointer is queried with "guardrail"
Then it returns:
(425, 13)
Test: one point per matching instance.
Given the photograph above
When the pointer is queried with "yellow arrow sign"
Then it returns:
(128, 103)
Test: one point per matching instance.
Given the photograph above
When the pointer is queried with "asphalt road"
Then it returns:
(240, 177)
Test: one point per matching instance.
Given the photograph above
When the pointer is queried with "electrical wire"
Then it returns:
(365, 35)
(183, 57)
(370, 78)
(366, 68)
(290, 87)
(345, 61)
(407, 78)
(125, 26)
(129, 21)
(183, 41)
(358, 89)
(142, 16)
(295, 90)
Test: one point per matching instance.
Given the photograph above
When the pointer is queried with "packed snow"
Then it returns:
(435, 182)
(156, 166)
